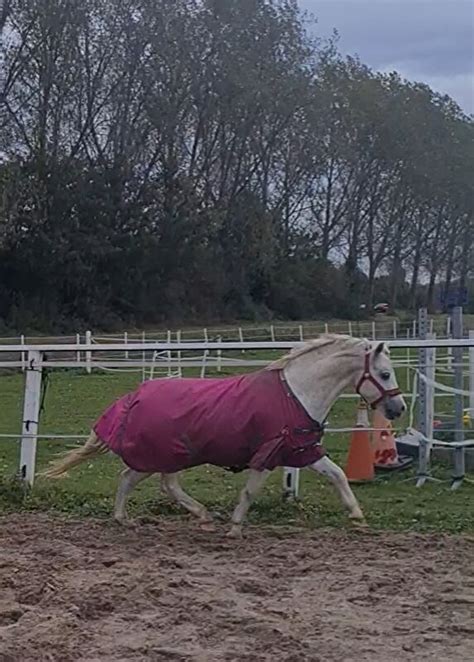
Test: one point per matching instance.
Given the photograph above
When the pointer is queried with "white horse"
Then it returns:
(315, 373)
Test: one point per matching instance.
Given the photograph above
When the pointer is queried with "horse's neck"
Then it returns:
(318, 384)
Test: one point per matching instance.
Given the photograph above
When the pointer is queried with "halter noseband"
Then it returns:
(367, 376)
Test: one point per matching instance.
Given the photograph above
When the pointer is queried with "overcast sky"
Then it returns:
(424, 40)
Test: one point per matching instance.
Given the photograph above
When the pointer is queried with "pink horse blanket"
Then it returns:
(252, 420)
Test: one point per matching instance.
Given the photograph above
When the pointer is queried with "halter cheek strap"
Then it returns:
(367, 376)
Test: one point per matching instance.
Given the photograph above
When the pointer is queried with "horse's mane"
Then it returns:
(333, 342)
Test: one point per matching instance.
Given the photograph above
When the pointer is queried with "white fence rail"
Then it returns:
(382, 329)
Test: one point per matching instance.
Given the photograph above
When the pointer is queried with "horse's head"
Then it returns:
(377, 383)
(319, 370)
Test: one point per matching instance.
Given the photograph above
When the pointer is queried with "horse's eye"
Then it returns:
(385, 375)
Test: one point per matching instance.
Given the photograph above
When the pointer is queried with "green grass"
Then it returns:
(75, 400)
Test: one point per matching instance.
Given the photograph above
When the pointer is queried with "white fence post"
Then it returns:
(373, 330)
(23, 355)
(143, 357)
(88, 354)
(78, 353)
(125, 342)
(427, 362)
(349, 328)
(394, 329)
(291, 482)
(31, 411)
(301, 332)
(241, 337)
(326, 328)
(272, 333)
(178, 340)
(168, 340)
(471, 377)
(219, 355)
(205, 355)
(408, 380)
(459, 456)
(430, 372)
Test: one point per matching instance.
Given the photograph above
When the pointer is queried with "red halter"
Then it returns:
(367, 376)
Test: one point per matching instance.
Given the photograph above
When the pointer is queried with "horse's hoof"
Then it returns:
(124, 522)
(207, 526)
(216, 515)
(359, 523)
(235, 533)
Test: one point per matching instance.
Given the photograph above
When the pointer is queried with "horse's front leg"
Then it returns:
(174, 490)
(254, 483)
(338, 478)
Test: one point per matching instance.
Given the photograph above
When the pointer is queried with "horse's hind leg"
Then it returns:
(128, 480)
(173, 489)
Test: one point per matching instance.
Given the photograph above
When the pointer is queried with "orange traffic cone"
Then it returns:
(385, 448)
(360, 461)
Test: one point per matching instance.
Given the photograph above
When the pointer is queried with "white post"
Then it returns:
(301, 332)
(449, 362)
(203, 364)
(448, 326)
(291, 482)
(349, 328)
(430, 391)
(394, 329)
(459, 455)
(219, 356)
(89, 353)
(373, 330)
(326, 328)
(78, 353)
(471, 377)
(23, 355)
(125, 341)
(178, 340)
(431, 325)
(241, 338)
(31, 411)
(272, 333)
(205, 355)
(168, 340)
(408, 380)
(143, 358)
(414, 328)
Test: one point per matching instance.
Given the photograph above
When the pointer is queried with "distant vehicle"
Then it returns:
(381, 308)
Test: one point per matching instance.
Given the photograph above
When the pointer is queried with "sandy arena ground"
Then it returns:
(89, 591)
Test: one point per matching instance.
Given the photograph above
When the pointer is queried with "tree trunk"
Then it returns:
(449, 263)
(416, 267)
(396, 269)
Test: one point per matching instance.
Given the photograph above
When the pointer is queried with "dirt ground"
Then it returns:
(89, 591)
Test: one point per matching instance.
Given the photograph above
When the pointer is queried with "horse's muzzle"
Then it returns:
(394, 407)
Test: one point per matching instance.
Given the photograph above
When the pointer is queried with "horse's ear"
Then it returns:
(379, 349)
